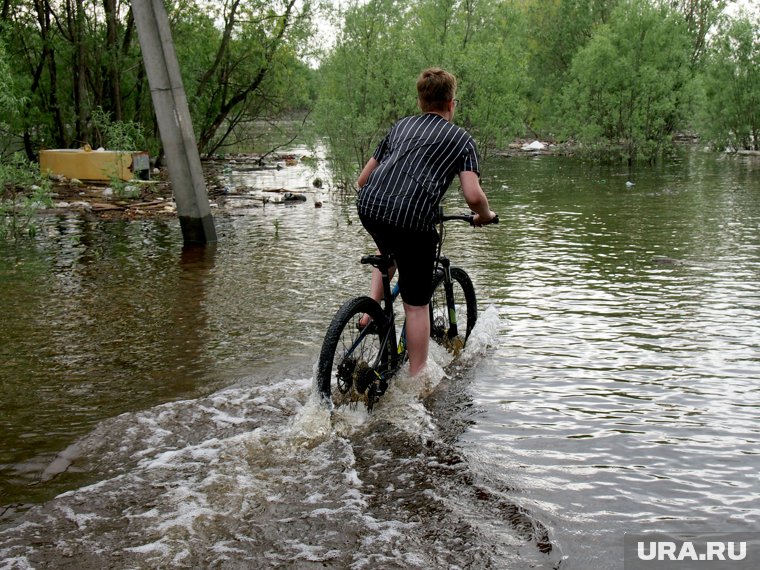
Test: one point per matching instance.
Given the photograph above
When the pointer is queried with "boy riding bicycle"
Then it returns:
(401, 187)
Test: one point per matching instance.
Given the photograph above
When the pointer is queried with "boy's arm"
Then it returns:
(372, 163)
(475, 197)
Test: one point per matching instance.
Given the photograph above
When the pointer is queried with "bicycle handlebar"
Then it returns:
(465, 218)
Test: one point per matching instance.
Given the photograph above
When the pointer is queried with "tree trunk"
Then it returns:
(113, 58)
(239, 97)
(229, 25)
(81, 76)
(47, 59)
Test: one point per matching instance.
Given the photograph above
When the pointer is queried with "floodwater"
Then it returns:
(157, 405)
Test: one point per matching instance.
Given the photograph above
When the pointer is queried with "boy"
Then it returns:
(401, 187)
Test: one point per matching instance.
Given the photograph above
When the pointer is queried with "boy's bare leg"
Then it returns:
(417, 337)
(376, 285)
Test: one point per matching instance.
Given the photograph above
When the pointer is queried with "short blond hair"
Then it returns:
(435, 88)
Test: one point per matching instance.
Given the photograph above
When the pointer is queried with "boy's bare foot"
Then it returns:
(364, 320)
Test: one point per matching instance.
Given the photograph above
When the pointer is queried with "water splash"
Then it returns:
(263, 471)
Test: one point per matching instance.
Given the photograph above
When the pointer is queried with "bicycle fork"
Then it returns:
(448, 287)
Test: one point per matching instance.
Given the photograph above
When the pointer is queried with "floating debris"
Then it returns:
(535, 145)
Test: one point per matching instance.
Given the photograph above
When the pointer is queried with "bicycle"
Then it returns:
(357, 363)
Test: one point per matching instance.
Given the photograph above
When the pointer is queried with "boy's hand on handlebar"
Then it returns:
(478, 220)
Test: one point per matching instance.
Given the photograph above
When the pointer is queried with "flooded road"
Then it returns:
(157, 405)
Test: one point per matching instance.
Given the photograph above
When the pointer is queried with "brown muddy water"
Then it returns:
(157, 404)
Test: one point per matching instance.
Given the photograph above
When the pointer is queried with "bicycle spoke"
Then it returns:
(351, 357)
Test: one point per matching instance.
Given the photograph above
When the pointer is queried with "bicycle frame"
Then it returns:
(366, 368)
(390, 295)
(390, 342)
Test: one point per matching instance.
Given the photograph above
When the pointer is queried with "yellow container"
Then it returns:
(95, 165)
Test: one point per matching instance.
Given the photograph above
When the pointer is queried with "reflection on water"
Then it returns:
(96, 323)
(611, 393)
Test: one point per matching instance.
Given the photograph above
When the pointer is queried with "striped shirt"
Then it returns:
(418, 159)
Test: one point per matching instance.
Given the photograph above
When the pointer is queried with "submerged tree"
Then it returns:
(610, 73)
(732, 86)
(364, 83)
(628, 85)
(10, 100)
(368, 81)
(250, 69)
(557, 31)
(701, 18)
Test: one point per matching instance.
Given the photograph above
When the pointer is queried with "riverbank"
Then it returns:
(153, 198)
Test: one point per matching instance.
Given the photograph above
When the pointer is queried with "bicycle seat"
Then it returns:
(382, 262)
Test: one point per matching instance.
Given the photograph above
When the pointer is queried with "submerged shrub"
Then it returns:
(23, 191)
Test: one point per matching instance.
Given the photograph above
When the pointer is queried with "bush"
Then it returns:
(23, 191)
(629, 85)
(732, 76)
(117, 135)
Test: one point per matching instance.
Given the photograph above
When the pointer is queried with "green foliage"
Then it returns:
(616, 75)
(491, 67)
(701, 18)
(364, 84)
(23, 190)
(557, 30)
(242, 64)
(629, 84)
(116, 135)
(368, 81)
(80, 67)
(731, 116)
(10, 101)
(612, 73)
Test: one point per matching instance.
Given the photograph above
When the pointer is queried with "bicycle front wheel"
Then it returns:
(453, 315)
(354, 358)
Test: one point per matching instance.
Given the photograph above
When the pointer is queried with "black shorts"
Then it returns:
(414, 252)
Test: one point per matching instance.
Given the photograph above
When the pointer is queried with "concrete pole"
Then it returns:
(174, 123)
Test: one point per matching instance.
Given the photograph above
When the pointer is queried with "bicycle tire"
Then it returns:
(440, 316)
(348, 360)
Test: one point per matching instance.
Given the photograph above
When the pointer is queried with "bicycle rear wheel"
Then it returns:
(452, 321)
(354, 361)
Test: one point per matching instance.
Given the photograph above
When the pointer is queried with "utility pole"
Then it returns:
(174, 123)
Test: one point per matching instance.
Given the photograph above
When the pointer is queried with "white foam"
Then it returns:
(157, 547)
(352, 477)
(221, 417)
(311, 553)
(82, 520)
(314, 421)
(15, 563)
(402, 404)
